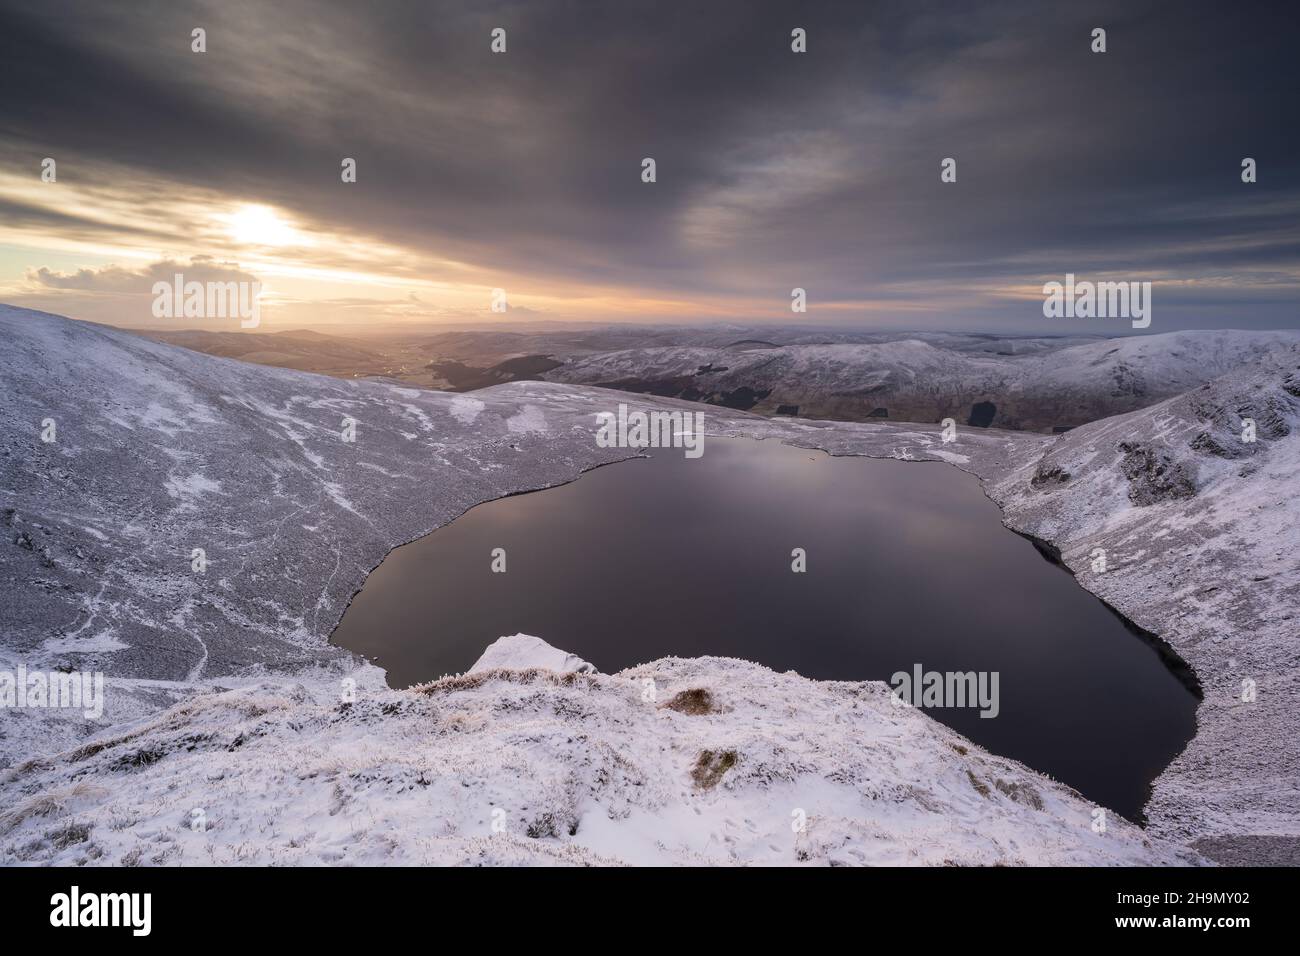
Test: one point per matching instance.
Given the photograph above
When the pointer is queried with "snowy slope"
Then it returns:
(572, 768)
(1202, 538)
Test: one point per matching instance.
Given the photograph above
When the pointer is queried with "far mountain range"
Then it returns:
(1043, 384)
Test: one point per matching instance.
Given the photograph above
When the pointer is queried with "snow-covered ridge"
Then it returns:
(1201, 534)
(160, 451)
(914, 380)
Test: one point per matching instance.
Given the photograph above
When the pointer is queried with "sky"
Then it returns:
(774, 169)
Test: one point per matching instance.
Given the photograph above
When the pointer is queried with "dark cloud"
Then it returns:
(775, 169)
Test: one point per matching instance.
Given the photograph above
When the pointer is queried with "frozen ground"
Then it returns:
(225, 694)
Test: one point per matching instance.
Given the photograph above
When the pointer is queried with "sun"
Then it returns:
(254, 225)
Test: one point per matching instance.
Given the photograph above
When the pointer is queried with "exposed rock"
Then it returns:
(1154, 474)
(1048, 475)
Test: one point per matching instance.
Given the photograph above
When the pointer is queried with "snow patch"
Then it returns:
(465, 409)
(530, 419)
(102, 643)
(192, 486)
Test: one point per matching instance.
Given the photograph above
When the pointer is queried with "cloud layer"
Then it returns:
(775, 169)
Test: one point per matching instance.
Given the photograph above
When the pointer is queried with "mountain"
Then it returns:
(1038, 389)
(1045, 383)
(223, 683)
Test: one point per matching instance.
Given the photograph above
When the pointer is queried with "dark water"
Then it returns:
(907, 563)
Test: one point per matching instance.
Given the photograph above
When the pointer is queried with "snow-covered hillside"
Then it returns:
(1201, 534)
(678, 761)
(915, 380)
(226, 696)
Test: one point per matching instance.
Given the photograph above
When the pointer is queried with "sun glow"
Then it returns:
(253, 225)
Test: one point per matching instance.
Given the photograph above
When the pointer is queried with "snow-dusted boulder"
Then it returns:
(523, 651)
